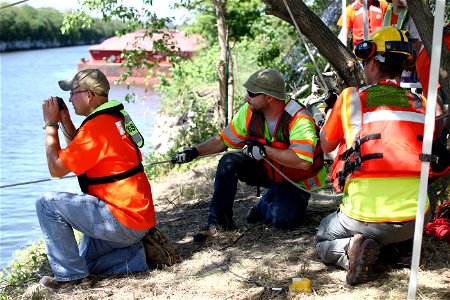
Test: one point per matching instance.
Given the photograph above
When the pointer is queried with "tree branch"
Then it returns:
(339, 56)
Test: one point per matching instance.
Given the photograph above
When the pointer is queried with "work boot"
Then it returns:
(253, 216)
(55, 285)
(205, 233)
(362, 254)
(158, 251)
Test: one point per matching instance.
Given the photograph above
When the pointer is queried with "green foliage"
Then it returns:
(25, 23)
(186, 76)
(241, 16)
(24, 268)
(432, 5)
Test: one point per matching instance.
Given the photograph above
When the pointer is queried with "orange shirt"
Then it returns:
(394, 19)
(333, 127)
(103, 148)
(354, 19)
(423, 66)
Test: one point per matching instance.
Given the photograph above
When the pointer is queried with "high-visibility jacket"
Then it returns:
(375, 19)
(114, 108)
(387, 19)
(383, 132)
(255, 127)
(383, 126)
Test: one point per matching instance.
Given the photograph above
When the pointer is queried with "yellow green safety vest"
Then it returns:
(112, 107)
(387, 19)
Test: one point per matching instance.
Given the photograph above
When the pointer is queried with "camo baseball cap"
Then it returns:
(90, 79)
(267, 81)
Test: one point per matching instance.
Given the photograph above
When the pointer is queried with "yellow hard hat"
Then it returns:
(386, 40)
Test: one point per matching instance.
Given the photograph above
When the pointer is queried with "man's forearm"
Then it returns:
(68, 129)
(213, 145)
(287, 157)
(52, 147)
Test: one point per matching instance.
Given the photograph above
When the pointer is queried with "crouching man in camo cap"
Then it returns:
(115, 213)
(281, 151)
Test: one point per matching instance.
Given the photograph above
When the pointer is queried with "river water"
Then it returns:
(27, 78)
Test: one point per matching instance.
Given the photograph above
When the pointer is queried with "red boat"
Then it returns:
(107, 55)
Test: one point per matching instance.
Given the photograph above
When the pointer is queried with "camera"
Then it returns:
(61, 104)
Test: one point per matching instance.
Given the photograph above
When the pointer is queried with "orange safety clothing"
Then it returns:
(102, 148)
(380, 128)
(355, 18)
(423, 64)
(283, 139)
(384, 123)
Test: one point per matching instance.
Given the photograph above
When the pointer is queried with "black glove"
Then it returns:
(330, 100)
(254, 149)
(185, 156)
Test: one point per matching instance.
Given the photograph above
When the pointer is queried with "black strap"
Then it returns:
(429, 158)
(113, 178)
(350, 166)
(371, 156)
(114, 110)
(357, 143)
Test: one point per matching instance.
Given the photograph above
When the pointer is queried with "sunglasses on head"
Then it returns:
(252, 95)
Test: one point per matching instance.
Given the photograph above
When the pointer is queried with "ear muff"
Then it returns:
(365, 49)
(411, 59)
(402, 47)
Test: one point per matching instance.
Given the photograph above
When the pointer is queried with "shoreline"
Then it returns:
(24, 45)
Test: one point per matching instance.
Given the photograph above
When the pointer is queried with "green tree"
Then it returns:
(25, 23)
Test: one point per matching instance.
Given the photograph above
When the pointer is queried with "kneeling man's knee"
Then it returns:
(41, 202)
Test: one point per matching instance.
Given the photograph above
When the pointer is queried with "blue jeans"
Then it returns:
(107, 246)
(282, 204)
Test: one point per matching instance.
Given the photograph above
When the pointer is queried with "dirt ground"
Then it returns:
(249, 262)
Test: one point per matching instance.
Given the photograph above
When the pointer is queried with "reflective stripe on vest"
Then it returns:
(132, 129)
(351, 115)
(400, 128)
(377, 116)
(388, 144)
(375, 16)
(387, 19)
(230, 135)
(281, 140)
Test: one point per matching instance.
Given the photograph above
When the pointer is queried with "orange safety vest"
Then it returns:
(256, 131)
(111, 108)
(375, 20)
(383, 128)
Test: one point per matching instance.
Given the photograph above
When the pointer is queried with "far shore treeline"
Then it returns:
(25, 27)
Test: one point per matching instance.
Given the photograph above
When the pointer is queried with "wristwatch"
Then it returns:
(54, 124)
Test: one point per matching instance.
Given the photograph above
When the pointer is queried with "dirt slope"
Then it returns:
(249, 262)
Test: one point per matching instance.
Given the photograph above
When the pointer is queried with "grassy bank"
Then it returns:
(242, 264)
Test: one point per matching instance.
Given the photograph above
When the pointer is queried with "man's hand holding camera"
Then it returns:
(51, 111)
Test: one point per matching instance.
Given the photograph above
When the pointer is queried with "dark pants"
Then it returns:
(282, 204)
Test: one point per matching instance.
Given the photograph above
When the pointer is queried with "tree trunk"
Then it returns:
(424, 20)
(230, 83)
(222, 30)
(339, 56)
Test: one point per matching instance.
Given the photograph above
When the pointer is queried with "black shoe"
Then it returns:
(253, 216)
(205, 233)
(53, 284)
